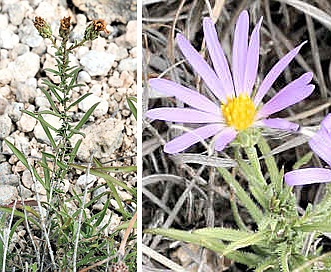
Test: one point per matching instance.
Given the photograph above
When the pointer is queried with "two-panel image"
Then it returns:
(153, 135)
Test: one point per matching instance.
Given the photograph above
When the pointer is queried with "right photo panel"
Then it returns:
(236, 135)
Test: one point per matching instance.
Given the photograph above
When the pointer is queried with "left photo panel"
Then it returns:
(68, 135)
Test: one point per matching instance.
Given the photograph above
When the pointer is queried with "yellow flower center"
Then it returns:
(239, 112)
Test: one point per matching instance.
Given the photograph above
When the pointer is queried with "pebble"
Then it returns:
(3, 105)
(27, 179)
(129, 64)
(29, 35)
(102, 139)
(14, 111)
(119, 52)
(87, 103)
(8, 193)
(27, 122)
(5, 126)
(5, 77)
(17, 12)
(25, 66)
(26, 91)
(84, 76)
(19, 50)
(86, 180)
(8, 39)
(97, 63)
(3, 21)
(131, 33)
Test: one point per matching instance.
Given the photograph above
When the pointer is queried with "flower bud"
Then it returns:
(43, 28)
(64, 27)
(93, 29)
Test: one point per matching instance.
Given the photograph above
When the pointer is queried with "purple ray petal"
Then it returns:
(279, 123)
(224, 137)
(274, 73)
(239, 52)
(186, 95)
(320, 143)
(201, 67)
(190, 138)
(308, 176)
(217, 56)
(292, 93)
(252, 62)
(183, 115)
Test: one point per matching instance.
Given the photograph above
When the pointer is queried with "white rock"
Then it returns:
(86, 180)
(119, 52)
(84, 76)
(101, 139)
(27, 179)
(96, 89)
(17, 12)
(26, 91)
(7, 194)
(27, 122)
(8, 39)
(14, 111)
(97, 63)
(5, 76)
(87, 103)
(5, 126)
(29, 34)
(131, 33)
(19, 50)
(47, 11)
(25, 66)
(3, 21)
(129, 64)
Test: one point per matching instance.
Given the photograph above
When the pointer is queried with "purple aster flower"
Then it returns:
(320, 143)
(238, 109)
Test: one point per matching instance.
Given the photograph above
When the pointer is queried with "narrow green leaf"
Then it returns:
(125, 225)
(246, 201)
(48, 134)
(225, 234)
(74, 151)
(271, 163)
(79, 100)
(52, 71)
(76, 131)
(75, 86)
(18, 154)
(85, 118)
(303, 160)
(318, 226)
(117, 169)
(50, 113)
(252, 239)
(54, 89)
(47, 175)
(50, 100)
(102, 213)
(132, 106)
